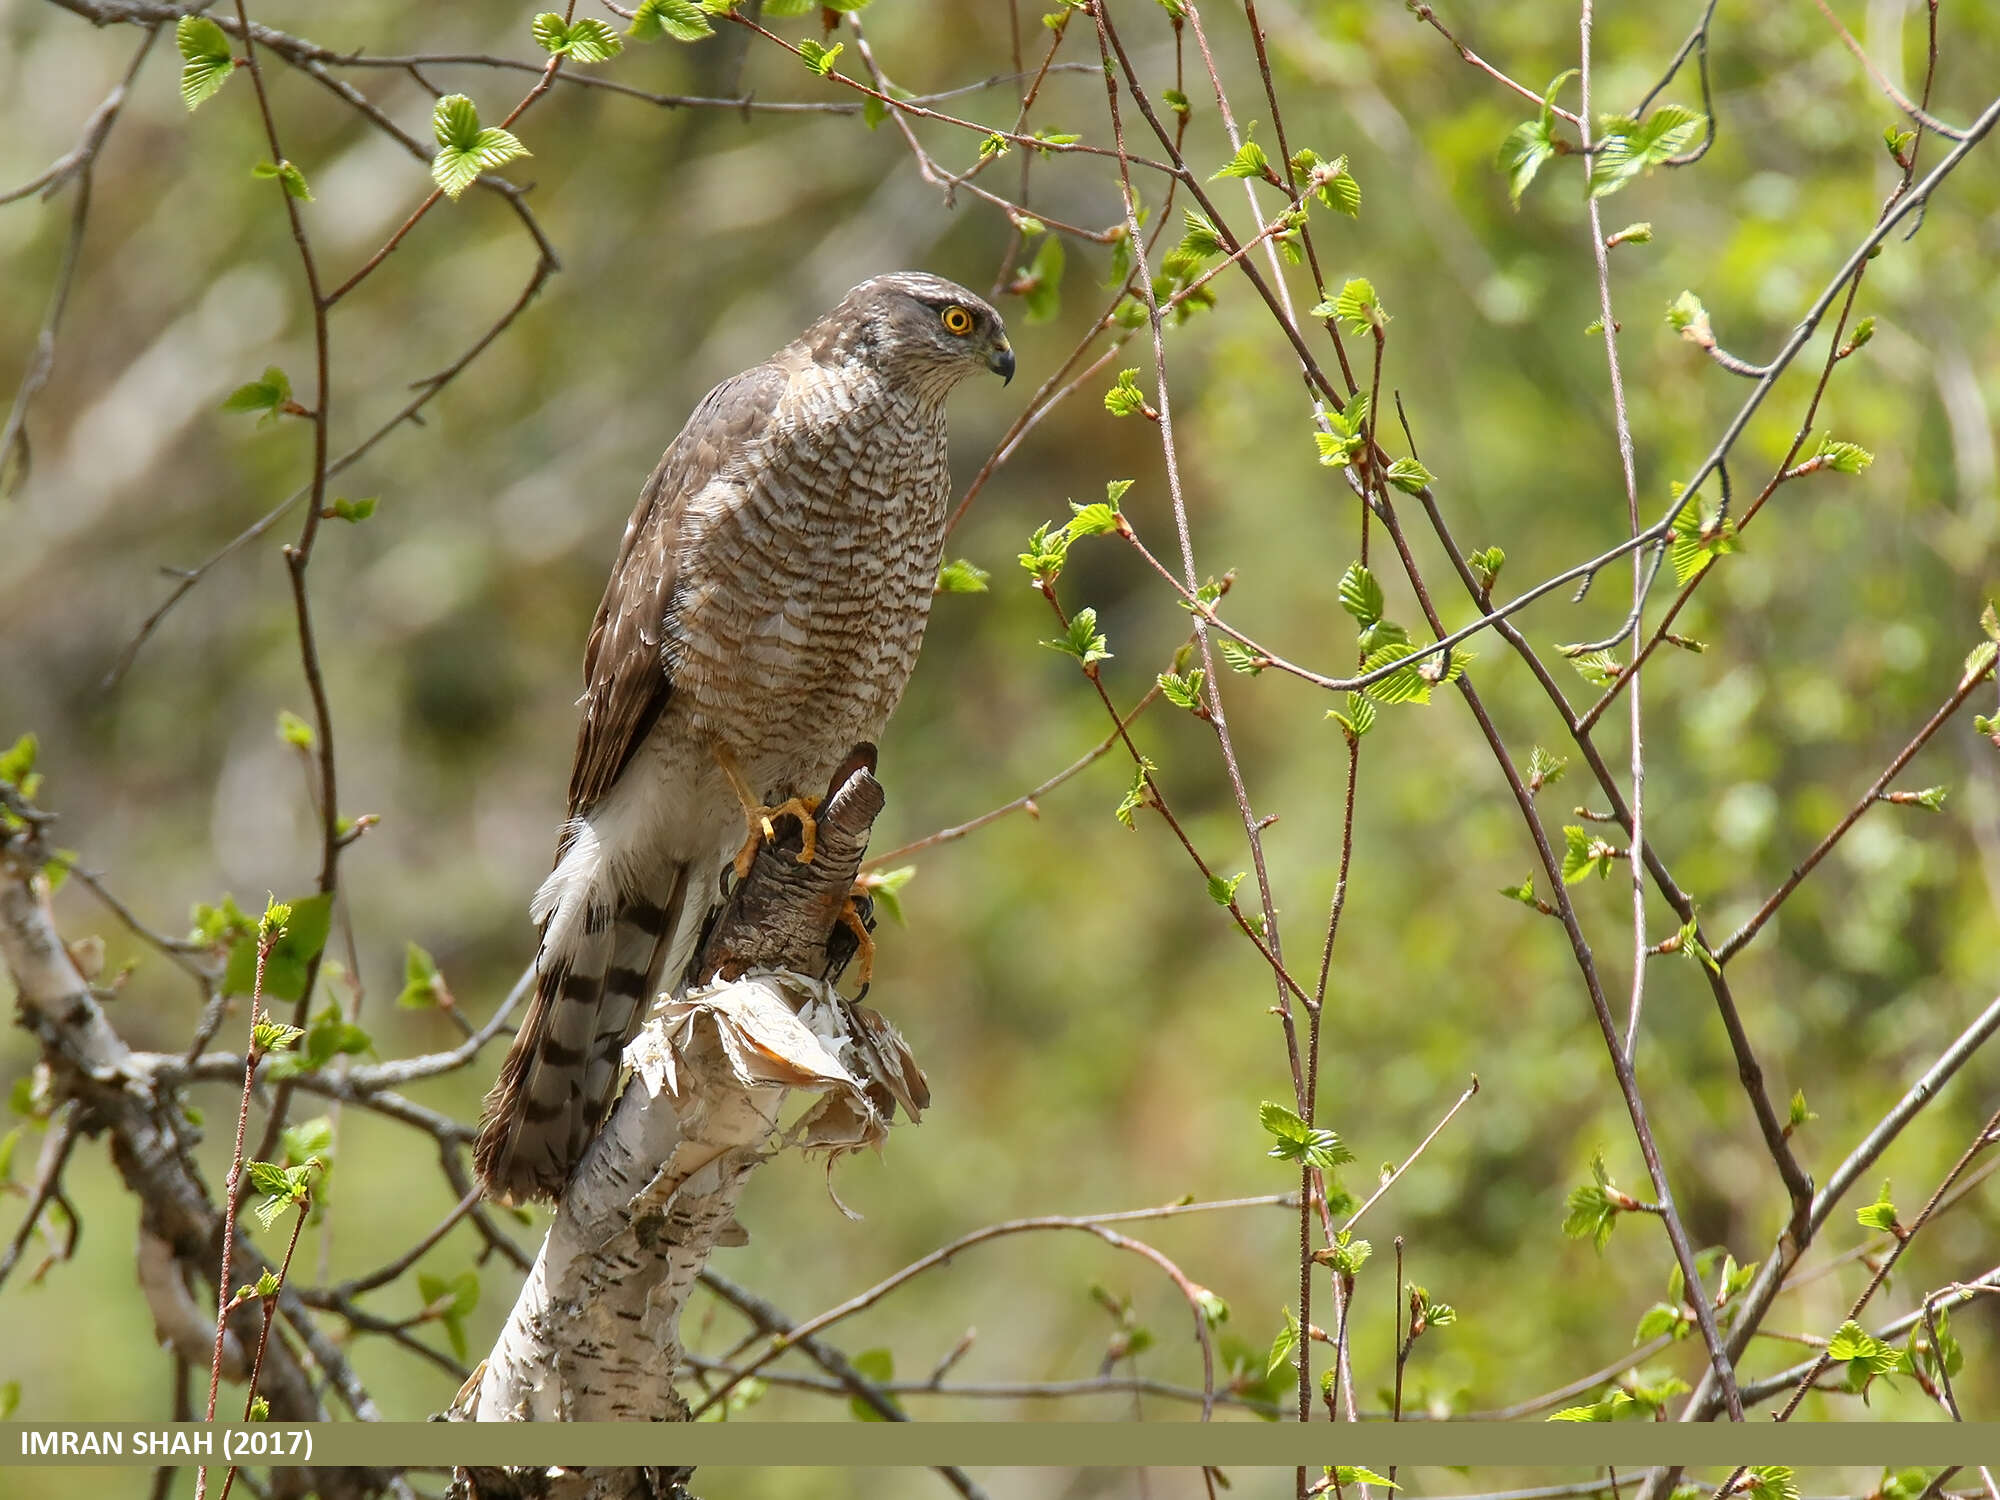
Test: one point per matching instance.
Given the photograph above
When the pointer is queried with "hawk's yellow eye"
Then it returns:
(956, 320)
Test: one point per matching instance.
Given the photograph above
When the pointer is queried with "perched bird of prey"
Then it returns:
(762, 619)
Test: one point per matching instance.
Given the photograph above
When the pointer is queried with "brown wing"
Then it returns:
(625, 673)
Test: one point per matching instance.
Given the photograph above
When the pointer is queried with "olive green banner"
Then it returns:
(1002, 1444)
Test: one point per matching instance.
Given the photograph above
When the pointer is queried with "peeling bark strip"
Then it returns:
(180, 1229)
(595, 1334)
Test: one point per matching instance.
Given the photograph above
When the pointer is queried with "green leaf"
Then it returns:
(1083, 640)
(423, 985)
(1346, 1474)
(1978, 662)
(1409, 476)
(1329, 181)
(274, 1036)
(1800, 1115)
(682, 20)
(962, 577)
(1662, 1318)
(1865, 1356)
(1771, 1482)
(1284, 1345)
(1300, 1142)
(1202, 239)
(17, 769)
(206, 62)
(820, 59)
(1240, 658)
(1881, 1214)
(1697, 542)
(1249, 161)
(267, 395)
(1125, 399)
(1589, 1212)
(1527, 147)
(1598, 667)
(1897, 140)
(1632, 234)
(1183, 692)
(1361, 594)
(1947, 1356)
(285, 968)
(877, 1367)
(586, 40)
(1214, 1310)
(293, 179)
(1545, 769)
(464, 149)
(1523, 893)
(295, 731)
(1357, 720)
(1138, 795)
(1843, 458)
(1687, 317)
(886, 887)
(1223, 891)
(307, 1140)
(352, 511)
(1357, 307)
(1045, 272)
(1047, 551)
(1583, 854)
(1629, 147)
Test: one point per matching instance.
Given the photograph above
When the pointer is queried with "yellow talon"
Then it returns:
(757, 817)
(864, 952)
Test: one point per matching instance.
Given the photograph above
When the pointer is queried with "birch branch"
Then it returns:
(594, 1335)
(152, 1150)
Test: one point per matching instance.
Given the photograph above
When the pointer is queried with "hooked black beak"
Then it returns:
(1001, 363)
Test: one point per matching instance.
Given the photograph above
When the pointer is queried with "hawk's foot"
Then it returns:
(758, 817)
(864, 940)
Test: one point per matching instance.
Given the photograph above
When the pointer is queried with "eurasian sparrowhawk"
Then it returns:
(762, 619)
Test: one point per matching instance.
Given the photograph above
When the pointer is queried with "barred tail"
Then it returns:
(602, 957)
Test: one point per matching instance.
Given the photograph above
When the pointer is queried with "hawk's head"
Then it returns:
(918, 327)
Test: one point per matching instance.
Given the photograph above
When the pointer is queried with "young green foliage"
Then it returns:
(1125, 399)
(1082, 640)
(820, 59)
(295, 731)
(1629, 147)
(1043, 294)
(423, 985)
(269, 395)
(1771, 1482)
(885, 887)
(1486, 566)
(1222, 889)
(1361, 595)
(351, 511)
(206, 62)
(1183, 692)
(283, 171)
(1409, 476)
(1357, 307)
(450, 1302)
(1532, 142)
(682, 20)
(1584, 854)
(1357, 719)
(962, 577)
(584, 40)
(1697, 543)
(1592, 1209)
(1139, 794)
(465, 149)
(291, 955)
(1299, 1142)
(1865, 1357)
(1329, 181)
(1843, 458)
(1249, 161)
(1881, 1214)
(1345, 433)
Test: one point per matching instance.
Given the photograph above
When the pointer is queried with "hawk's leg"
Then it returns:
(864, 940)
(757, 815)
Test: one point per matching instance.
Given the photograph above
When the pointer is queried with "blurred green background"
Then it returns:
(1096, 1035)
